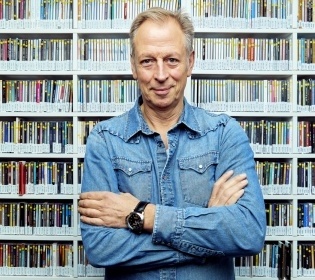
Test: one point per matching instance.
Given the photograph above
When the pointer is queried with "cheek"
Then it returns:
(179, 75)
(180, 78)
(144, 76)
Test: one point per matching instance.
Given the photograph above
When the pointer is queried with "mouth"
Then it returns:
(162, 91)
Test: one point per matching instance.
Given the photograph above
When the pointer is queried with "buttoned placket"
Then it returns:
(166, 169)
(165, 185)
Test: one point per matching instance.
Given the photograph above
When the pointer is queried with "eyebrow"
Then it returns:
(149, 55)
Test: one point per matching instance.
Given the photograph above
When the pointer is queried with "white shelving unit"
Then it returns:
(11, 29)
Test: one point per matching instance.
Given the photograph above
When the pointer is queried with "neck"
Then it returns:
(160, 122)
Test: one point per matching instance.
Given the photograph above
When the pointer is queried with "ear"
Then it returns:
(191, 62)
(133, 67)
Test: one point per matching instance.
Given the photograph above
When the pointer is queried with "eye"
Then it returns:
(172, 61)
(146, 62)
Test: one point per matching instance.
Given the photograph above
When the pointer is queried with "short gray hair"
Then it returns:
(160, 15)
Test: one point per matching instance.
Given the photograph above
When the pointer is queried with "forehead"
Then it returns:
(164, 36)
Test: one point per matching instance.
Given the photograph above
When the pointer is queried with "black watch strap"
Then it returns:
(141, 206)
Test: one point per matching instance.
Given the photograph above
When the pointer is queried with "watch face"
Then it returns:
(135, 221)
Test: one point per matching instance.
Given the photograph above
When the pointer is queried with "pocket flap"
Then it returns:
(199, 163)
(131, 167)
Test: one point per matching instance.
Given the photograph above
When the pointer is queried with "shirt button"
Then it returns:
(200, 166)
(129, 169)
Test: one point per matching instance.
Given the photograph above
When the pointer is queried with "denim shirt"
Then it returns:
(189, 240)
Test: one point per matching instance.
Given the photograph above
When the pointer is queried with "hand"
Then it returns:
(227, 190)
(106, 208)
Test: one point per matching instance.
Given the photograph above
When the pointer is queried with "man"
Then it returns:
(189, 172)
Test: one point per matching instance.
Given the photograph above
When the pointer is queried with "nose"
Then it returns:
(161, 72)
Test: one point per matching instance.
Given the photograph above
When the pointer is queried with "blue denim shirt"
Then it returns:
(189, 240)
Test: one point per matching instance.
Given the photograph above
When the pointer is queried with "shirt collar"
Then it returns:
(136, 123)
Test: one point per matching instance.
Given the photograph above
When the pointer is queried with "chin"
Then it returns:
(166, 103)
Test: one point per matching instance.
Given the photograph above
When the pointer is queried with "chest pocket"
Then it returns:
(134, 177)
(197, 176)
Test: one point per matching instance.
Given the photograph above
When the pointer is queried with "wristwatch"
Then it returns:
(135, 220)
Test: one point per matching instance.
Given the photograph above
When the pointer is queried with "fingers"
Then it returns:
(226, 176)
(91, 221)
(89, 212)
(106, 208)
(227, 190)
(218, 184)
(235, 197)
(87, 202)
(93, 195)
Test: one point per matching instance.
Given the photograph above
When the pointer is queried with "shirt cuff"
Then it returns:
(167, 229)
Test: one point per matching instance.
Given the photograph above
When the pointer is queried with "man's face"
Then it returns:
(161, 64)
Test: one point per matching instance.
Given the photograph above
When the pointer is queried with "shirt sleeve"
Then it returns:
(234, 230)
(106, 247)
